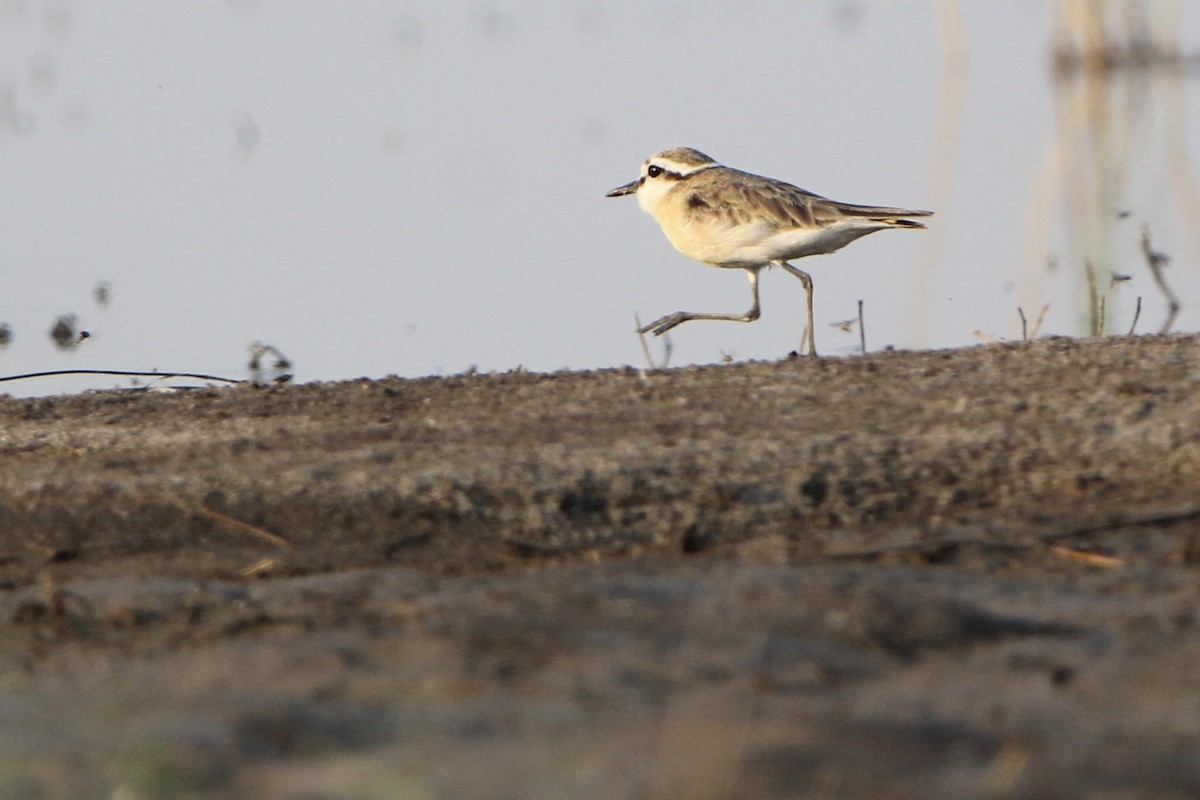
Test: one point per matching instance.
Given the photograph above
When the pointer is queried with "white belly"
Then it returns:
(756, 244)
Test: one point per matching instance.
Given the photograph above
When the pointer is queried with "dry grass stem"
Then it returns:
(1137, 312)
(862, 332)
(1156, 261)
(1095, 300)
(1087, 557)
(667, 347)
(259, 567)
(237, 524)
(987, 337)
(1154, 518)
(1037, 323)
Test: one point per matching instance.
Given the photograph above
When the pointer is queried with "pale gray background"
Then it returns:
(417, 187)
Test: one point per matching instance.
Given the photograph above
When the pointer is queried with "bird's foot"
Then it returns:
(664, 324)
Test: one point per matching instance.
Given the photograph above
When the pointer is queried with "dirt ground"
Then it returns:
(965, 574)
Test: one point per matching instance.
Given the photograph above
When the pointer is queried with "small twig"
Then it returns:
(1095, 313)
(1156, 262)
(1026, 334)
(1103, 310)
(124, 372)
(528, 547)
(1055, 541)
(862, 332)
(246, 527)
(1137, 312)
(637, 320)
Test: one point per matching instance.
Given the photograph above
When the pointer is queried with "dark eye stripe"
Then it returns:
(655, 171)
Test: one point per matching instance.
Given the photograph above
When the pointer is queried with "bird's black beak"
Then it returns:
(628, 188)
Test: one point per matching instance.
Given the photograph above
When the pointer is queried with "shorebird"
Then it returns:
(724, 217)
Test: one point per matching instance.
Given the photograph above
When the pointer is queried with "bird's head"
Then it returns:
(660, 173)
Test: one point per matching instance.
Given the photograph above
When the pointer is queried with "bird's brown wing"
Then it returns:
(802, 208)
(732, 197)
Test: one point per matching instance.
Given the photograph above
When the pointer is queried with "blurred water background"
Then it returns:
(417, 188)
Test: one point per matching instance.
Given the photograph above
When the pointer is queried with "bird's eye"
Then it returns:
(654, 171)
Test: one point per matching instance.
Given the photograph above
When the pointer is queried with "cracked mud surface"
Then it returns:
(961, 574)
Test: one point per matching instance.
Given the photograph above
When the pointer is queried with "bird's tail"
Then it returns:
(898, 223)
(886, 215)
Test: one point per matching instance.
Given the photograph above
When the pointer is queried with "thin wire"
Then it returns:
(122, 372)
